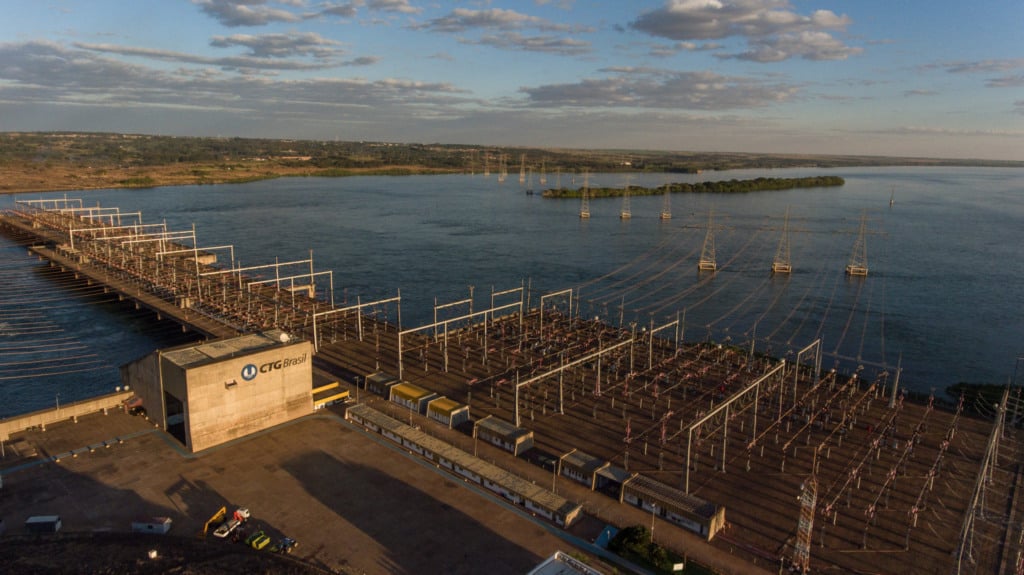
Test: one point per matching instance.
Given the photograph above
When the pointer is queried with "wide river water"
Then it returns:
(943, 297)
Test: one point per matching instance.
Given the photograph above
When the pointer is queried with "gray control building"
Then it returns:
(211, 393)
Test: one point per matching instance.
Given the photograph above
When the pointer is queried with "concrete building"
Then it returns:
(412, 397)
(380, 383)
(534, 498)
(447, 412)
(688, 511)
(503, 434)
(581, 467)
(207, 394)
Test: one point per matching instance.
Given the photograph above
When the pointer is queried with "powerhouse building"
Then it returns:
(211, 393)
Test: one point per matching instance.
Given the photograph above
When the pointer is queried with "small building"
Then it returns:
(688, 511)
(503, 434)
(563, 564)
(158, 525)
(536, 499)
(447, 412)
(610, 479)
(380, 383)
(581, 467)
(43, 524)
(211, 393)
(412, 397)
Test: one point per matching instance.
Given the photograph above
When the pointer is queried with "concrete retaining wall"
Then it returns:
(73, 410)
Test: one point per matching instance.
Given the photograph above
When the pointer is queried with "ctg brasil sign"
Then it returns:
(251, 370)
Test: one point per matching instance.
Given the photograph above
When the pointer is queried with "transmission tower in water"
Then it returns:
(666, 205)
(707, 254)
(626, 213)
(585, 198)
(781, 264)
(858, 265)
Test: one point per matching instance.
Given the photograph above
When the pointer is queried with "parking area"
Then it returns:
(353, 504)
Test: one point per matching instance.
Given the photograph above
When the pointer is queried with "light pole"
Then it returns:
(654, 511)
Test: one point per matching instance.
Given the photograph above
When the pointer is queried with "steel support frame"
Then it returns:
(548, 296)
(724, 406)
(966, 539)
(444, 324)
(815, 345)
(359, 316)
(563, 367)
(650, 342)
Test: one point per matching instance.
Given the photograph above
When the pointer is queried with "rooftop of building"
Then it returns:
(199, 354)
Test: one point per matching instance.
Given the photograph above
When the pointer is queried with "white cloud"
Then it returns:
(266, 53)
(401, 6)
(280, 45)
(346, 10)
(774, 31)
(549, 44)
(462, 19)
(235, 13)
(808, 45)
(664, 89)
(45, 72)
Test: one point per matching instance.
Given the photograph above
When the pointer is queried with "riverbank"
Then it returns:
(58, 176)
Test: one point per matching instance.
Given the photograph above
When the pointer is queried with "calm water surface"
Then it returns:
(944, 293)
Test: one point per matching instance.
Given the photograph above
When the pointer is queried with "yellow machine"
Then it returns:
(214, 519)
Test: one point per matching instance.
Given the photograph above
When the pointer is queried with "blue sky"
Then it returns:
(935, 78)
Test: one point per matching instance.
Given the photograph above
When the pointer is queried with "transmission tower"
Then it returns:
(782, 264)
(625, 214)
(585, 198)
(707, 254)
(666, 206)
(802, 547)
(858, 265)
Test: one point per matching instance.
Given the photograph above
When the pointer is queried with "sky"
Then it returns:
(923, 78)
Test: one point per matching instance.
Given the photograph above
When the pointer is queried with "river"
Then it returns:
(943, 297)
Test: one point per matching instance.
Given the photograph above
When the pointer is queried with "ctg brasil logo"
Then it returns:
(249, 372)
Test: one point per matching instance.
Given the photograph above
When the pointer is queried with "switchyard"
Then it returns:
(816, 471)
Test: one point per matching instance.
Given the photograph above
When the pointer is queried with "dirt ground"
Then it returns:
(354, 505)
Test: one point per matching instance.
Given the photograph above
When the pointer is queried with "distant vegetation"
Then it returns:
(36, 161)
(720, 187)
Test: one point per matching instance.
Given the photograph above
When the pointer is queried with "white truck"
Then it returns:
(237, 518)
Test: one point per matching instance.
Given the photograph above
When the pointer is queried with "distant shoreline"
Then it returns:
(36, 162)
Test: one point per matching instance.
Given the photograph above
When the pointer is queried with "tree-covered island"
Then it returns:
(720, 187)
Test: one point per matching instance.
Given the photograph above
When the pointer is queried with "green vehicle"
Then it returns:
(250, 540)
(261, 541)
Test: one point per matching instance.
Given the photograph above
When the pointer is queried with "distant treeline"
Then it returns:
(720, 187)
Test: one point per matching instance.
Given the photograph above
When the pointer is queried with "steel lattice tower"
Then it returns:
(666, 206)
(585, 199)
(802, 548)
(707, 255)
(782, 264)
(858, 265)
